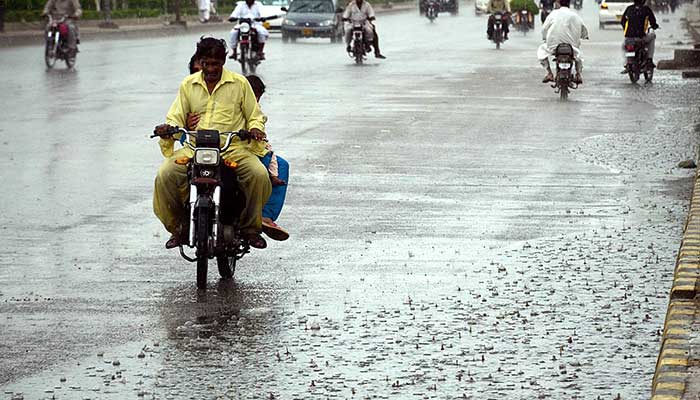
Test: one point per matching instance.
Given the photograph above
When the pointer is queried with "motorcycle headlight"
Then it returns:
(244, 28)
(206, 157)
(289, 22)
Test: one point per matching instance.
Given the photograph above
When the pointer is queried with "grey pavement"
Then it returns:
(457, 232)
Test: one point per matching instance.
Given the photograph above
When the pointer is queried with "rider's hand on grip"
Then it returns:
(256, 134)
(164, 130)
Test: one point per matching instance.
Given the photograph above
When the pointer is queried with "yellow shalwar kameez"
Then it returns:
(230, 107)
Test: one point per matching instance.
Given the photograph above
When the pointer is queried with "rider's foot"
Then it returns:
(578, 80)
(276, 181)
(273, 231)
(233, 55)
(548, 78)
(176, 240)
(505, 37)
(379, 55)
(348, 49)
(255, 240)
(261, 56)
(624, 70)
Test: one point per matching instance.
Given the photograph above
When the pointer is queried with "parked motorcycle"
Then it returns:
(57, 43)
(215, 203)
(638, 61)
(359, 46)
(432, 10)
(497, 36)
(565, 62)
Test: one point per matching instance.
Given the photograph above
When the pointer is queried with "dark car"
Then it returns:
(450, 6)
(312, 18)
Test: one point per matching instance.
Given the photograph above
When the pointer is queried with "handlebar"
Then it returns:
(172, 130)
(258, 19)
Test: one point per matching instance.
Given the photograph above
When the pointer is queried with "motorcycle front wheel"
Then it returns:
(244, 60)
(50, 53)
(202, 235)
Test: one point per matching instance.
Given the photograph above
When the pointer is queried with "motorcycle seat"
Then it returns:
(564, 49)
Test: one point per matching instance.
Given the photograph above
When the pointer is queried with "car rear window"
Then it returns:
(302, 6)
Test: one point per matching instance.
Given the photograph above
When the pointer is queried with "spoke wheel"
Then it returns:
(227, 266)
(202, 247)
(50, 54)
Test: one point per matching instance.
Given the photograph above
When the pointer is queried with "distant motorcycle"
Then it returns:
(248, 46)
(57, 43)
(522, 22)
(544, 13)
(565, 62)
(215, 204)
(359, 46)
(432, 10)
(498, 21)
(638, 61)
(578, 4)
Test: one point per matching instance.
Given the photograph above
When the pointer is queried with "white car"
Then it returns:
(270, 8)
(481, 6)
(610, 12)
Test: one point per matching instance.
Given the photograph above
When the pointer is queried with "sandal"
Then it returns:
(274, 231)
(255, 240)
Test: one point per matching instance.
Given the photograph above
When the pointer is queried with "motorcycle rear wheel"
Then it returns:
(227, 266)
(634, 76)
(564, 92)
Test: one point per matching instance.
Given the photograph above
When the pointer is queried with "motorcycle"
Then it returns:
(57, 43)
(215, 203)
(578, 4)
(638, 61)
(544, 13)
(359, 46)
(565, 62)
(497, 35)
(522, 22)
(431, 10)
(248, 46)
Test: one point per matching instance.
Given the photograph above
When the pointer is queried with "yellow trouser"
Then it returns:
(171, 191)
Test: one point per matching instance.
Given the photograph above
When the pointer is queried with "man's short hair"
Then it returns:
(211, 47)
(257, 84)
(564, 3)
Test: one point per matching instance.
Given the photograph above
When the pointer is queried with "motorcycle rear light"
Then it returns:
(630, 47)
(206, 157)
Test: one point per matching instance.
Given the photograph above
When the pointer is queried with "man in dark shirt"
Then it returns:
(636, 21)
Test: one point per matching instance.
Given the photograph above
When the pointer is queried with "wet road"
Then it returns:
(456, 231)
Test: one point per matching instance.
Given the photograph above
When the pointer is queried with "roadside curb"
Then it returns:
(672, 365)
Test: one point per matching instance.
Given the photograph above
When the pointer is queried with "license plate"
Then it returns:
(630, 54)
(564, 65)
(307, 32)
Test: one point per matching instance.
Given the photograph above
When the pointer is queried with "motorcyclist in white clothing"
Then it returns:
(248, 9)
(562, 26)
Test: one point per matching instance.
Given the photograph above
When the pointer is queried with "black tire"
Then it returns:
(293, 38)
(202, 235)
(243, 60)
(70, 62)
(564, 92)
(601, 26)
(50, 54)
(334, 37)
(251, 68)
(227, 266)
(634, 76)
(285, 38)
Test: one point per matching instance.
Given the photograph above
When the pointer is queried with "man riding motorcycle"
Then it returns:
(562, 26)
(498, 6)
(71, 10)
(636, 21)
(361, 11)
(249, 9)
(225, 102)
